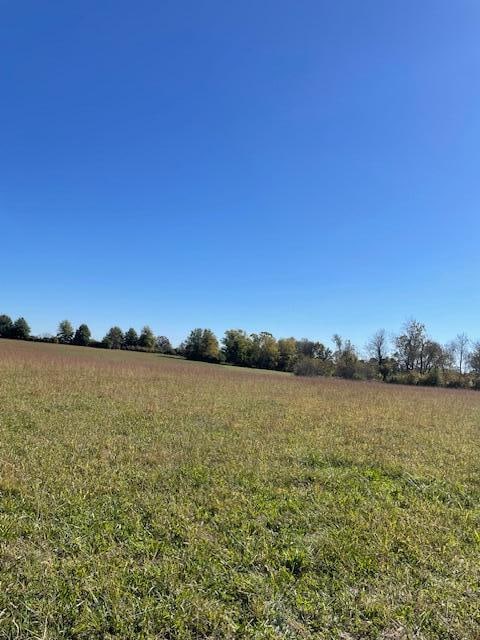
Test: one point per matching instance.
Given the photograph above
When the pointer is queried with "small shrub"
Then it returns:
(310, 367)
(409, 377)
(476, 383)
(432, 379)
(457, 381)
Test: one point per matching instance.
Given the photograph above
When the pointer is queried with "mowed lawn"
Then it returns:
(147, 497)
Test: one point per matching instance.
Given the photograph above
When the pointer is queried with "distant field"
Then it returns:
(148, 497)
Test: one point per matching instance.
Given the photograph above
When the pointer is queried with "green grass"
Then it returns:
(148, 497)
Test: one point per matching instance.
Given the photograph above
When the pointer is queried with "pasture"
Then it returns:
(148, 497)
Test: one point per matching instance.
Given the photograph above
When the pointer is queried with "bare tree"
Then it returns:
(377, 347)
(460, 349)
(449, 356)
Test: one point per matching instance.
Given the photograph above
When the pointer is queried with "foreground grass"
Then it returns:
(146, 497)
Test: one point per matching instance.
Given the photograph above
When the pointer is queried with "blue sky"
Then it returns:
(299, 167)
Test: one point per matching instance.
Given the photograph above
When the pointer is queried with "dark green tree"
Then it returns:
(6, 326)
(20, 329)
(82, 336)
(306, 347)
(311, 349)
(192, 347)
(114, 338)
(130, 340)
(65, 332)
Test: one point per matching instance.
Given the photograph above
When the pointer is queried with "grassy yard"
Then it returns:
(148, 497)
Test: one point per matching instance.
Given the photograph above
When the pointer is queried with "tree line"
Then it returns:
(409, 357)
(115, 338)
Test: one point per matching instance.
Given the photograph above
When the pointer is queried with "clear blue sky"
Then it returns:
(302, 167)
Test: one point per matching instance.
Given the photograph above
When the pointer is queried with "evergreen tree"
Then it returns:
(82, 336)
(131, 339)
(114, 338)
(192, 345)
(20, 329)
(6, 326)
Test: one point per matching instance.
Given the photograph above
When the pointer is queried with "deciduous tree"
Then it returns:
(345, 357)
(164, 345)
(377, 349)
(460, 349)
(237, 347)
(209, 346)
(201, 344)
(410, 346)
(65, 332)
(474, 358)
(147, 339)
(264, 350)
(287, 354)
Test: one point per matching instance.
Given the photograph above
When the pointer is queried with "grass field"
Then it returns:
(148, 497)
